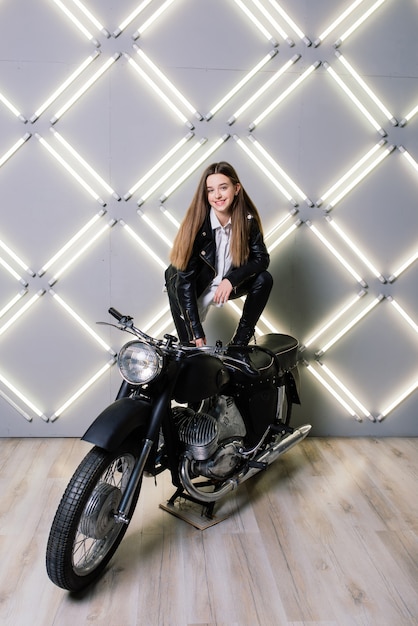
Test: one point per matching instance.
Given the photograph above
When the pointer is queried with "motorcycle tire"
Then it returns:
(84, 534)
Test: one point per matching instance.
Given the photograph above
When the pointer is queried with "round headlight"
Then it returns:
(139, 363)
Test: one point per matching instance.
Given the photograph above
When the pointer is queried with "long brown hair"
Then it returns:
(242, 207)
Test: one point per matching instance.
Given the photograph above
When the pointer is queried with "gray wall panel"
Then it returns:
(122, 128)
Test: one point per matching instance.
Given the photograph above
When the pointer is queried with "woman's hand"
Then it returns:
(200, 342)
(223, 292)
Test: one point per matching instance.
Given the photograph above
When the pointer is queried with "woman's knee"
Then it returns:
(264, 280)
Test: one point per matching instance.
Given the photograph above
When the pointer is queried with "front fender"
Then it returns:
(117, 422)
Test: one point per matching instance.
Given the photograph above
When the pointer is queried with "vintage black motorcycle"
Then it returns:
(201, 413)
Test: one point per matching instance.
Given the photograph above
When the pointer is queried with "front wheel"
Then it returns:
(84, 534)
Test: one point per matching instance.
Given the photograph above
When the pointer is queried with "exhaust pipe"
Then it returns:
(267, 457)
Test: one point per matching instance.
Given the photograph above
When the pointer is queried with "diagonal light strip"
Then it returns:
(23, 398)
(256, 22)
(64, 85)
(12, 302)
(241, 84)
(403, 267)
(408, 157)
(15, 406)
(289, 21)
(158, 91)
(263, 88)
(6, 156)
(170, 217)
(131, 17)
(366, 88)
(77, 95)
(273, 22)
(167, 82)
(403, 313)
(284, 94)
(155, 228)
(163, 328)
(355, 249)
(358, 23)
(336, 254)
(264, 169)
(350, 325)
(360, 177)
(332, 391)
(194, 167)
(17, 259)
(351, 171)
(337, 22)
(152, 19)
(347, 392)
(71, 242)
(12, 108)
(76, 22)
(284, 236)
(281, 223)
(171, 170)
(82, 390)
(81, 322)
(354, 99)
(21, 311)
(70, 169)
(84, 163)
(143, 245)
(157, 318)
(159, 164)
(398, 401)
(91, 17)
(281, 171)
(268, 324)
(409, 116)
(11, 271)
(334, 319)
(81, 251)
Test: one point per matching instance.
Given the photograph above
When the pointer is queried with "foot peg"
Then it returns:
(257, 465)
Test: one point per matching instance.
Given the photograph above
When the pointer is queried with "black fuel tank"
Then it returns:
(202, 376)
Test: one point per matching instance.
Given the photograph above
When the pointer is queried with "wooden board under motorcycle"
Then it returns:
(213, 417)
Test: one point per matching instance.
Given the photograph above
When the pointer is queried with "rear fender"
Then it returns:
(292, 382)
(117, 422)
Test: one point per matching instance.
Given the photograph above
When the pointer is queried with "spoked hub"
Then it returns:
(98, 517)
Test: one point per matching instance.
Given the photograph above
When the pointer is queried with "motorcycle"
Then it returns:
(201, 413)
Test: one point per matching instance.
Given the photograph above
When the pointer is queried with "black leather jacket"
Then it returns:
(189, 284)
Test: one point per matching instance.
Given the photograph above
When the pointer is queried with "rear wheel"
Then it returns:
(84, 534)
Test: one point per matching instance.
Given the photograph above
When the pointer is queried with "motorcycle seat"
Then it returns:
(284, 347)
(272, 354)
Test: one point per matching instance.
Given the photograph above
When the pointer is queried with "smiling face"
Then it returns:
(221, 194)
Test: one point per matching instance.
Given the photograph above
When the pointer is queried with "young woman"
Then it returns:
(218, 254)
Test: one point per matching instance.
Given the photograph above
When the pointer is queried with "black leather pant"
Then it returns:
(257, 289)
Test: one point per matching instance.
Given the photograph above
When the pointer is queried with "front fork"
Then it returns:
(121, 516)
(158, 412)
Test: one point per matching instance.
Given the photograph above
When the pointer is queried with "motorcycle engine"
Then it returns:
(198, 432)
(212, 436)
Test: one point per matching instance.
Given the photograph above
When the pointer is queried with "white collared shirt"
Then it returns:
(223, 263)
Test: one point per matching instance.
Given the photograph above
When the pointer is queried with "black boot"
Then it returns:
(237, 349)
(257, 291)
(242, 335)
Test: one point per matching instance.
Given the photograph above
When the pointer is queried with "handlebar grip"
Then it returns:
(115, 313)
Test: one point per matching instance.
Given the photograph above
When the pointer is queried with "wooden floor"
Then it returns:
(327, 536)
